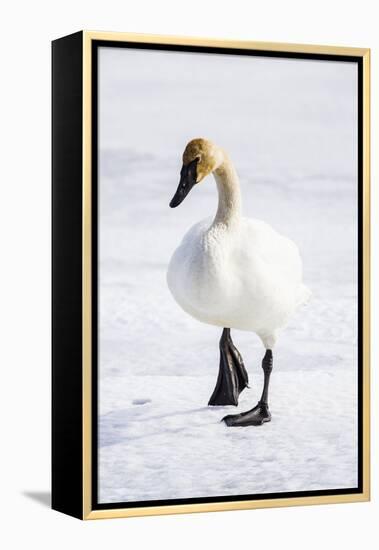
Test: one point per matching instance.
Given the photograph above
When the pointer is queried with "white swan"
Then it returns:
(233, 272)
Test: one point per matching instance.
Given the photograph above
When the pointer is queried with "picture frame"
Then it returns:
(75, 299)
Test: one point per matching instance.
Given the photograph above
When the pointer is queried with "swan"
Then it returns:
(236, 273)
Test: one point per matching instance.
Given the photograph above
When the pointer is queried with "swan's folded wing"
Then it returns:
(274, 249)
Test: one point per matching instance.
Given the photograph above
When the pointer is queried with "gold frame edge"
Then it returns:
(225, 43)
(366, 247)
(87, 279)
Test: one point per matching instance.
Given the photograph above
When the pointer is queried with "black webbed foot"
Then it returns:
(232, 376)
(260, 413)
(255, 417)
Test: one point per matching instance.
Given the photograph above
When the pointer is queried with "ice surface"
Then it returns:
(291, 131)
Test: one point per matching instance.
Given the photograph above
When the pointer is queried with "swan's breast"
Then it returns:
(196, 274)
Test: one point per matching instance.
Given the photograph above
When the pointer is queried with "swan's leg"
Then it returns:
(260, 413)
(232, 376)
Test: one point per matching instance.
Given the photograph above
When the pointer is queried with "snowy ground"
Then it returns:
(158, 367)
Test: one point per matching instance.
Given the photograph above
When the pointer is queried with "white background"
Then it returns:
(27, 28)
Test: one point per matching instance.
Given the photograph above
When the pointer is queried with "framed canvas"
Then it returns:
(210, 275)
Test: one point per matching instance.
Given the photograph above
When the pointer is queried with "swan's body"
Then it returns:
(247, 278)
(233, 271)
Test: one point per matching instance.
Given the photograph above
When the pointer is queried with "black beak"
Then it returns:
(188, 177)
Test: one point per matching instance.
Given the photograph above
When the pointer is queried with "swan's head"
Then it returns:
(200, 158)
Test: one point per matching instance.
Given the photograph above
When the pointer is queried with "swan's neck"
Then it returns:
(229, 196)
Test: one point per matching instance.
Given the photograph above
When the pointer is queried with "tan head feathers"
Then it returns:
(208, 155)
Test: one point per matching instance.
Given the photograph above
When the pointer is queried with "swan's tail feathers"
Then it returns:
(303, 296)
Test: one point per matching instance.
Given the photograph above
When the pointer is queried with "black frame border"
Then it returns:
(67, 254)
(96, 44)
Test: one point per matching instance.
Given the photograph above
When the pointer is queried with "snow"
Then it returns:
(291, 131)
